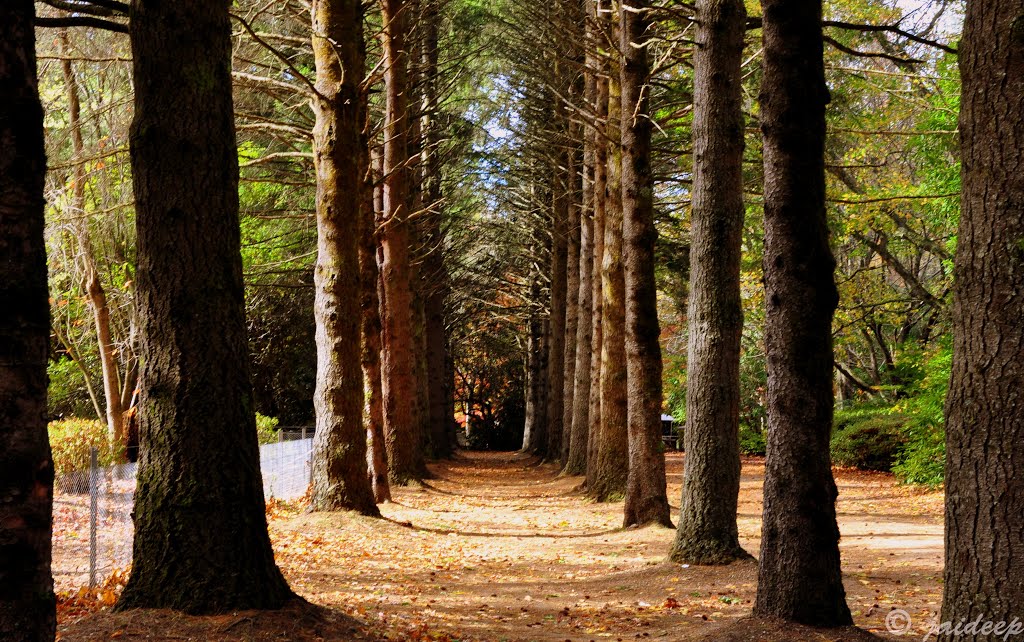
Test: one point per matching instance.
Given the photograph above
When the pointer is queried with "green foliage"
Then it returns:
(923, 459)
(72, 439)
(68, 395)
(266, 428)
(908, 436)
(868, 438)
(674, 384)
(752, 440)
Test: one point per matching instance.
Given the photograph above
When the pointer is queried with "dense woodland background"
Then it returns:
(893, 184)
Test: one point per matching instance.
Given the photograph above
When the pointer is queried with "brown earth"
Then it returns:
(497, 547)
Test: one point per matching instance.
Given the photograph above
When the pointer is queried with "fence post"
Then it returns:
(309, 460)
(94, 478)
(280, 435)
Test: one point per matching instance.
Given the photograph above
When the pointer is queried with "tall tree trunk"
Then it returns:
(370, 284)
(646, 496)
(579, 426)
(201, 542)
(799, 575)
(597, 297)
(27, 604)
(613, 444)
(339, 474)
(984, 575)
(572, 300)
(398, 372)
(535, 431)
(708, 533)
(434, 270)
(556, 338)
(91, 285)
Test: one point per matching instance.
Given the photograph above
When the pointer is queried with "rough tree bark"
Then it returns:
(398, 372)
(597, 295)
(370, 300)
(984, 574)
(27, 604)
(535, 432)
(613, 443)
(646, 495)
(91, 285)
(435, 274)
(572, 303)
(707, 532)
(799, 576)
(201, 542)
(579, 425)
(561, 204)
(339, 474)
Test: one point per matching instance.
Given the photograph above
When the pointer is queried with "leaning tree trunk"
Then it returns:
(799, 576)
(707, 532)
(339, 474)
(27, 604)
(984, 575)
(398, 372)
(91, 285)
(201, 542)
(646, 495)
(613, 443)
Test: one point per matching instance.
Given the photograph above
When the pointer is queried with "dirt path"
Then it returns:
(497, 547)
(500, 548)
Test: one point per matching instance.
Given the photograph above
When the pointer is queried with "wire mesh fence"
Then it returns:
(92, 523)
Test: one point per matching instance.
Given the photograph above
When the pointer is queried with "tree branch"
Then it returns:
(870, 54)
(101, 9)
(82, 21)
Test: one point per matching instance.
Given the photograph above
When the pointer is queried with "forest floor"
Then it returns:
(498, 547)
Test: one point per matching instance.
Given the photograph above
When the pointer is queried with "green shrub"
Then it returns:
(67, 394)
(872, 442)
(752, 440)
(266, 428)
(924, 458)
(72, 439)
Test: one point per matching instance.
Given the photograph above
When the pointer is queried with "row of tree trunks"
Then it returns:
(603, 352)
(27, 604)
(339, 476)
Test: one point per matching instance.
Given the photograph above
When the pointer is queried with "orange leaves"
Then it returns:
(73, 605)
